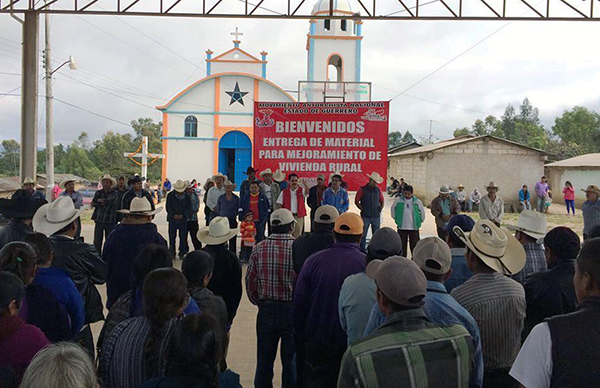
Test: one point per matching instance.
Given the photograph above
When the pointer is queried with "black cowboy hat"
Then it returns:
(134, 179)
(21, 205)
(249, 170)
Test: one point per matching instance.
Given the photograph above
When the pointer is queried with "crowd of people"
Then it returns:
(474, 306)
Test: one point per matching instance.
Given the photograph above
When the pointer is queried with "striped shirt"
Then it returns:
(498, 305)
(409, 351)
(536, 262)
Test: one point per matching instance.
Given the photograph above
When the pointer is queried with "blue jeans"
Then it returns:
(180, 226)
(374, 223)
(570, 205)
(275, 322)
(540, 204)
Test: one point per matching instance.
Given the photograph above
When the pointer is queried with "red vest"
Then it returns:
(287, 201)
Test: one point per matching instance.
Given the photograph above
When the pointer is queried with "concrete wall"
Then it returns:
(474, 164)
(580, 177)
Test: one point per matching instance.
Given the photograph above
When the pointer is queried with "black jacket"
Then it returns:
(309, 243)
(227, 278)
(15, 230)
(130, 195)
(550, 293)
(312, 199)
(86, 268)
(176, 206)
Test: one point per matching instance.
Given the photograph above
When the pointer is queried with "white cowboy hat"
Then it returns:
(592, 188)
(219, 175)
(445, 190)
(64, 182)
(376, 177)
(278, 176)
(52, 217)
(228, 183)
(27, 180)
(531, 223)
(497, 248)
(141, 207)
(265, 172)
(335, 173)
(180, 186)
(218, 232)
(110, 178)
(188, 184)
(492, 184)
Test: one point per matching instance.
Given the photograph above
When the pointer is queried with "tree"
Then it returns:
(579, 128)
(464, 131)
(394, 138)
(408, 137)
(107, 154)
(10, 157)
(77, 162)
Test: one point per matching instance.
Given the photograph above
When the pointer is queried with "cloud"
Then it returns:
(552, 63)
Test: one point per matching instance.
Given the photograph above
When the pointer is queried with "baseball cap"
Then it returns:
(281, 217)
(385, 242)
(326, 214)
(349, 223)
(433, 249)
(400, 279)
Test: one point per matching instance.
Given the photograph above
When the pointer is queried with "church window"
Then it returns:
(191, 127)
(344, 24)
(327, 24)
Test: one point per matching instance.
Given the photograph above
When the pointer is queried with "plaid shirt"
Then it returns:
(536, 262)
(105, 211)
(408, 348)
(271, 273)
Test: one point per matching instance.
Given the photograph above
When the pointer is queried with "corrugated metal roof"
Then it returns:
(9, 184)
(460, 140)
(587, 160)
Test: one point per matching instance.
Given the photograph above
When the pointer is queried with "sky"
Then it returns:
(127, 65)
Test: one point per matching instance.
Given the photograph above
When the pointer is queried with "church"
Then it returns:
(208, 127)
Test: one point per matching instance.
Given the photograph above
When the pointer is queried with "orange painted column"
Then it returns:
(217, 132)
(165, 145)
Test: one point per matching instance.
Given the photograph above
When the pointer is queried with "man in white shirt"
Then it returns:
(214, 193)
(292, 198)
(564, 351)
(491, 206)
(409, 214)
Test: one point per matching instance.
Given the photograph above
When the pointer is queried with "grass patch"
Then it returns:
(554, 220)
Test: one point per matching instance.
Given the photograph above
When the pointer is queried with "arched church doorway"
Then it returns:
(235, 156)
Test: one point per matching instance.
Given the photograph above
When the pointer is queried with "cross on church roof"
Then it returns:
(237, 34)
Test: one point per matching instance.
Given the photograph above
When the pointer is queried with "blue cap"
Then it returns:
(465, 222)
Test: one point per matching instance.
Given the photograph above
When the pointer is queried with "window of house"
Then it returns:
(327, 24)
(344, 24)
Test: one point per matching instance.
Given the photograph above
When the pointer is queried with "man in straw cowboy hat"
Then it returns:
(179, 208)
(68, 185)
(495, 301)
(491, 206)
(443, 207)
(315, 196)
(20, 209)
(336, 195)
(60, 221)
(136, 191)
(369, 199)
(530, 229)
(316, 297)
(269, 187)
(590, 209)
(461, 197)
(407, 342)
(212, 197)
(279, 178)
(272, 292)
(29, 185)
(193, 226)
(105, 210)
(126, 241)
(226, 281)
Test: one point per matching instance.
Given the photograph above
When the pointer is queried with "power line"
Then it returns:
(90, 112)
(452, 60)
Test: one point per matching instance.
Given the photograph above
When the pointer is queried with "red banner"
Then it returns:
(314, 138)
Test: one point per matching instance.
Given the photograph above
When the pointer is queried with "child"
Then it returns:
(248, 231)
(547, 201)
(569, 193)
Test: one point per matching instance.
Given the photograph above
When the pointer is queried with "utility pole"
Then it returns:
(49, 129)
(29, 95)
(430, 122)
